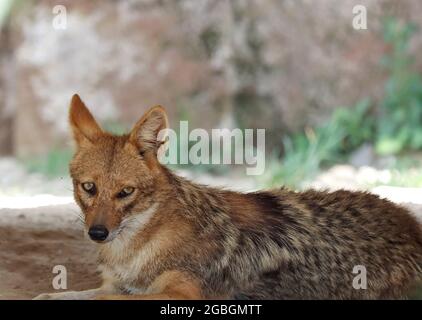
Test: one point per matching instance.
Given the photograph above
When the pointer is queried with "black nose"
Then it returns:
(98, 232)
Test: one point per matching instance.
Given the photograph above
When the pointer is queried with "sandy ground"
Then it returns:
(31, 244)
(27, 257)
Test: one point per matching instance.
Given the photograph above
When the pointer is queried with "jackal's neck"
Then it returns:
(190, 194)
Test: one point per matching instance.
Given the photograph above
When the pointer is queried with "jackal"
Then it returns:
(161, 236)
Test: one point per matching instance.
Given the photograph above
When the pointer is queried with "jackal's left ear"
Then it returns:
(149, 132)
(85, 128)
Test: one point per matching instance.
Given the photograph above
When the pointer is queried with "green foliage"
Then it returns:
(5, 9)
(400, 124)
(357, 125)
(306, 152)
(53, 164)
(115, 127)
(392, 126)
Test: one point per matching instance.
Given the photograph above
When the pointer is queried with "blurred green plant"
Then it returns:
(399, 126)
(53, 164)
(5, 9)
(115, 127)
(392, 126)
(306, 152)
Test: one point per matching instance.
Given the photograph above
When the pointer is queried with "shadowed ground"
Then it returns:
(29, 253)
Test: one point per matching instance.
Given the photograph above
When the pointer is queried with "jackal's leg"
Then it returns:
(168, 286)
(74, 295)
(71, 295)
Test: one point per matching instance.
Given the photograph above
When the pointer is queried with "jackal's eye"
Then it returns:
(89, 187)
(125, 192)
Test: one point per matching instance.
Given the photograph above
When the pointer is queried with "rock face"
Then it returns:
(270, 64)
(6, 112)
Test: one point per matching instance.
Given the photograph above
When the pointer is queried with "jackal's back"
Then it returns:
(312, 245)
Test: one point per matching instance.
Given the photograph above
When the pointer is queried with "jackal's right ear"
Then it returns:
(85, 128)
(149, 132)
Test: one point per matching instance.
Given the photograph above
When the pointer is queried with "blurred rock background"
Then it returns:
(280, 65)
(286, 66)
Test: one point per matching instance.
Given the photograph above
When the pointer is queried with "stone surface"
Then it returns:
(271, 64)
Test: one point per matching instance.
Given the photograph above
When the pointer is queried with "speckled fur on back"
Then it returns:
(286, 245)
(177, 239)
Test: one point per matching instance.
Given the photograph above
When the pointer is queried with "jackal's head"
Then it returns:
(114, 177)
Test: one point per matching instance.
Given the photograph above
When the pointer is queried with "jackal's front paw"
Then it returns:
(112, 297)
(44, 296)
(69, 295)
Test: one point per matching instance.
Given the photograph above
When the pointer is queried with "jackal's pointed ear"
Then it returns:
(149, 132)
(85, 128)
